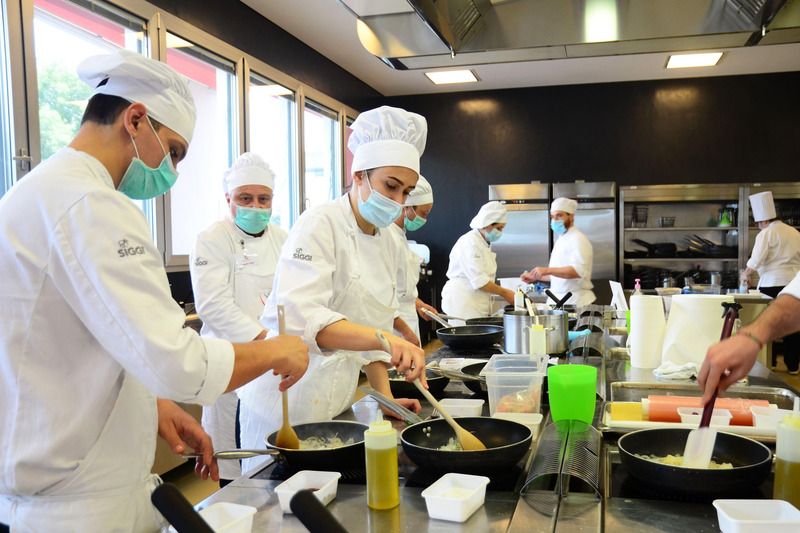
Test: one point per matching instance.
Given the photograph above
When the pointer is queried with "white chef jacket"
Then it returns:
(326, 273)
(407, 279)
(776, 255)
(573, 249)
(232, 275)
(90, 335)
(472, 265)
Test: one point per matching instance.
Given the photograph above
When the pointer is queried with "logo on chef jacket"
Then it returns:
(199, 262)
(126, 249)
(298, 254)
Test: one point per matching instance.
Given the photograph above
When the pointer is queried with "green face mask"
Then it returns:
(141, 182)
(252, 220)
(413, 225)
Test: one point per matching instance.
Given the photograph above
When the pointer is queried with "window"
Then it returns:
(7, 146)
(272, 129)
(197, 199)
(322, 146)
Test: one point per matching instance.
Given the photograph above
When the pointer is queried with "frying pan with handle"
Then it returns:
(477, 336)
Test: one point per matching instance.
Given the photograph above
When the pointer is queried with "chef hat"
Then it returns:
(763, 206)
(490, 213)
(566, 205)
(136, 78)
(387, 136)
(248, 169)
(422, 193)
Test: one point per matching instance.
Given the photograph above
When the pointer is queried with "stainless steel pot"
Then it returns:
(517, 326)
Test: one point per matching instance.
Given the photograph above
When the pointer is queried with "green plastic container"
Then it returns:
(572, 392)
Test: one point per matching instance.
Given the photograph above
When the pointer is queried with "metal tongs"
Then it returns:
(700, 443)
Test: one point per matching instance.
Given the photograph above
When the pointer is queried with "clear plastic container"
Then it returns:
(768, 417)
(455, 497)
(757, 516)
(514, 382)
(459, 407)
(323, 484)
(224, 517)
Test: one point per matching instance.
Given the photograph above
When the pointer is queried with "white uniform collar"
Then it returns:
(350, 217)
(96, 166)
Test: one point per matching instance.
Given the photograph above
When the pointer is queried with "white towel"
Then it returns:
(695, 323)
(670, 370)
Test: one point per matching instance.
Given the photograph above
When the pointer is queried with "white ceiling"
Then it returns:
(330, 29)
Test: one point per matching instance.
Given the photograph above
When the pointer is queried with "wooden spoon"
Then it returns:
(286, 437)
(467, 440)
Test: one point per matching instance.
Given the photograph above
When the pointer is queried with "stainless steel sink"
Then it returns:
(635, 391)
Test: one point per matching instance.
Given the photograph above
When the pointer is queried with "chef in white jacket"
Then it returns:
(336, 281)
(776, 258)
(473, 267)
(90, 334)
(232, 266)
(415, 214)
(570, 267)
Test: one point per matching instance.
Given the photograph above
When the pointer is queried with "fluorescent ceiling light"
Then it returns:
(452, 76)
(694, 60)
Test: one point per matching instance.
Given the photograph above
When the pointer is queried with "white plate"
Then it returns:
(749, 296)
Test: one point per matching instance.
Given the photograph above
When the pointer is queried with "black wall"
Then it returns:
(703, 130)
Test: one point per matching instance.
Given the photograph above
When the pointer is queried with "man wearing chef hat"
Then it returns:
(776, 258)
(90, 334)
(570, 267)
(232, 266)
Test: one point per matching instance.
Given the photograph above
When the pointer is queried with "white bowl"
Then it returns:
(458, 407)
(692, 415)
(455, 497)
(768, 417)
(224, 517)
(757, 516)
(324, 485)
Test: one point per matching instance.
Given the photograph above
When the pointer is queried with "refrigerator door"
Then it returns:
(598, 226)
(525, 243)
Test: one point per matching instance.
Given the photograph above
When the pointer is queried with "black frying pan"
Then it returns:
(506, 443)
(478, 387)
(751, 461)
(659, 249)
(403, 389)
(350, 457)
(485, 321)
(477, 336)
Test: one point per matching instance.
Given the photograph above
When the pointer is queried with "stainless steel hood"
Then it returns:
(446, 33)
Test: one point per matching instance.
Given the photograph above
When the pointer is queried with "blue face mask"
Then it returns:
(558, 226)
(141, 182)
(413, 225)
(378, 210)
(252, 220)
(494, 235)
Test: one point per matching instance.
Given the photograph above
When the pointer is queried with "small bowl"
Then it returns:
(458, 407)
(323, 484)
(757, 516)
(768, 417)
(455, 497)
(224, 517)
(692, 415)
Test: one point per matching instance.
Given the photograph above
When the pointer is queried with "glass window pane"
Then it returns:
(197, 199)
(322, 178)
(271, 115)
(7, 146)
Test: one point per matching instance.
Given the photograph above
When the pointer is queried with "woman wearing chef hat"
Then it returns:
(336, 279)
(415, 214)
(570, 267)
(473, 266)
(232, 266)
(776, 258)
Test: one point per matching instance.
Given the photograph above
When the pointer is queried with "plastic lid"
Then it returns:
(537, 327)
(380, 427)
(637, 286)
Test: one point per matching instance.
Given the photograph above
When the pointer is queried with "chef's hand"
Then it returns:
(534, 275)
(180, 429)
(290, 358)
(422, 305)
(405, 330)
(407, 357)
(508, 296)
(409, 403)
(736, 354)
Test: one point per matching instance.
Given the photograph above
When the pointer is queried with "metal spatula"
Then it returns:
(700, 443)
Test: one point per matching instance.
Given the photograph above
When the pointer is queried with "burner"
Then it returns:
(506, 482)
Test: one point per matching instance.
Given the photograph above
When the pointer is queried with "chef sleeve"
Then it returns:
(581, 257)
(793, 288)
(473, 263)
(212, 268)
(305, 283)
(106, 267)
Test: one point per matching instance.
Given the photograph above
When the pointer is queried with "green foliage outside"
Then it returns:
(62, 99)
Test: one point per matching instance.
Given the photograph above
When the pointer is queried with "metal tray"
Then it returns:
(636, 391)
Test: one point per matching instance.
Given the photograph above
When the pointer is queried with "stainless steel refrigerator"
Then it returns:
(526, 238)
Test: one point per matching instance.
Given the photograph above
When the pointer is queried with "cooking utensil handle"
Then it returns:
(731, 313)
(436, 317)
(408, 416)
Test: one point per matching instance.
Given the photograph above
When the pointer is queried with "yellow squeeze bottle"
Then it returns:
(538, 339)
(383, 484)
(787, 465)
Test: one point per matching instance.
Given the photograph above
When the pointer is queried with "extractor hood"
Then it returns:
(425, 34)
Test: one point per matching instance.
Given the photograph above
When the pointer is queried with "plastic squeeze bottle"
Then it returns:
(637, 289)
(787, 452)
(383, 484)
(538, 339)
(519, 300)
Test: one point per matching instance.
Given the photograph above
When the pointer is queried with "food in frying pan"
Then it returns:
(319, 443)
(677, 460)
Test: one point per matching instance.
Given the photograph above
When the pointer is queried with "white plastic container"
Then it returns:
(455, 497)
(459, 407)
(324, 485)
(757, 516)
(768, 417)
(532, 420)
(692, 415)
(224, 517)
(514, 382)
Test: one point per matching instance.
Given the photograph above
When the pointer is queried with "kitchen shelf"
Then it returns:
(664, 260)
(691, 228)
